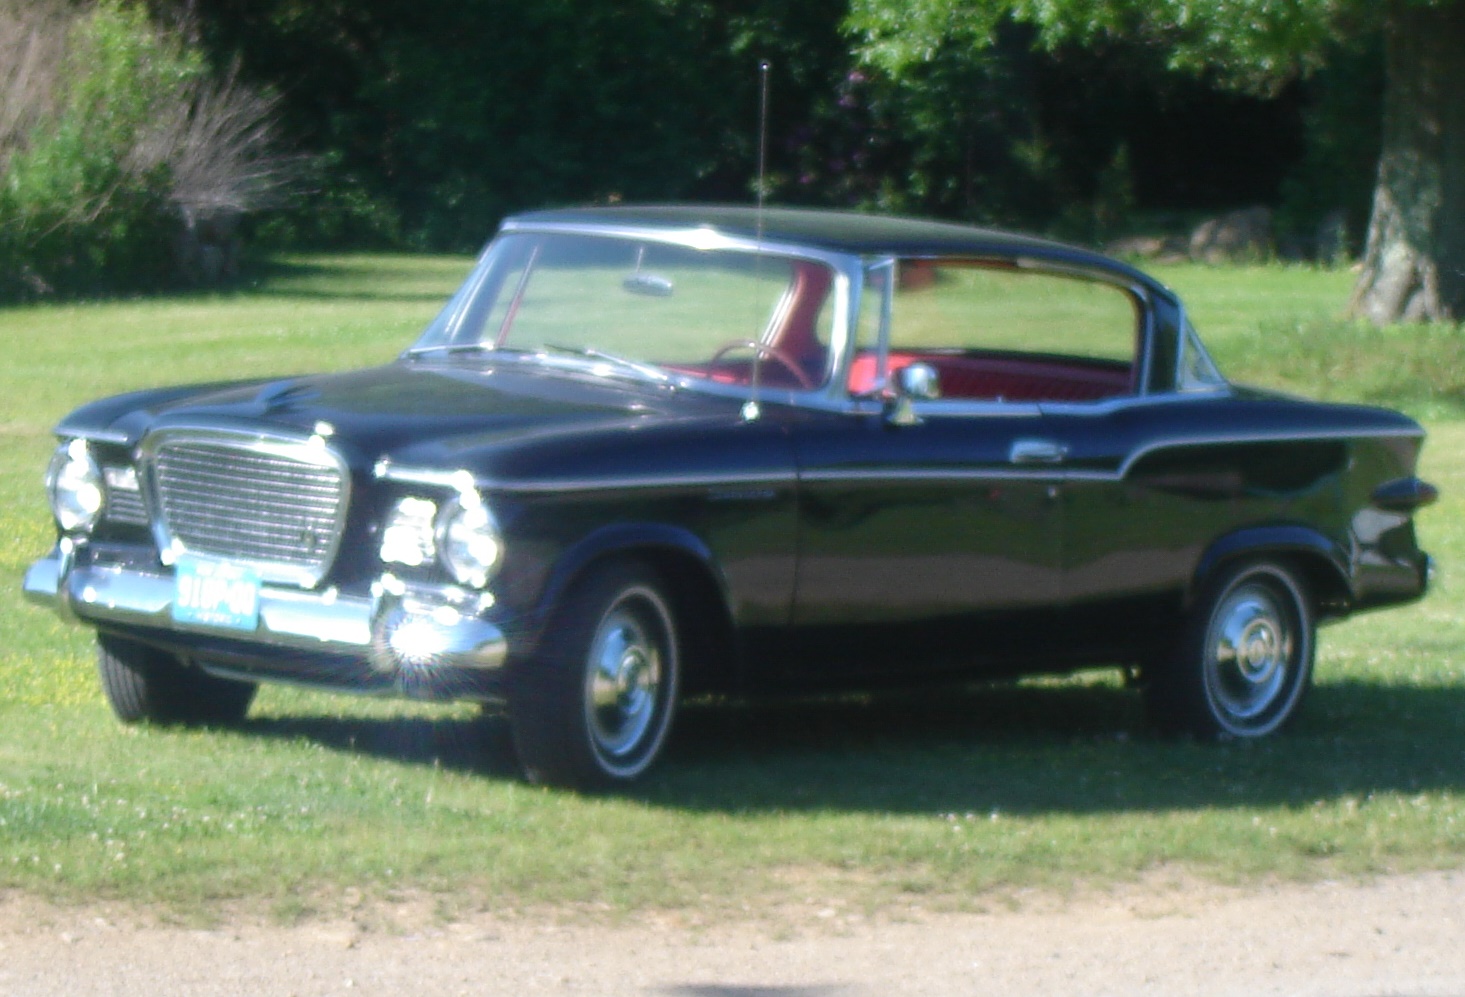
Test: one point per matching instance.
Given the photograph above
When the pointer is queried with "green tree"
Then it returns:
(436, 117)
(1414, 262)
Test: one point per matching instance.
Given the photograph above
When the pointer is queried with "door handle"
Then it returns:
(1035, 451)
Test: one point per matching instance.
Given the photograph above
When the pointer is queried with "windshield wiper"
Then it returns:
(448, 348)
(640, 368)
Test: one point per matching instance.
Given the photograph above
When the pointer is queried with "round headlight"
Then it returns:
(74, 483)
(468, 540)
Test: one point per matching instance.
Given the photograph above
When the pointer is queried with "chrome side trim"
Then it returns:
(1222, 439)
(687, 481)
(385, 470)
(905, 475)
(429, 477)
(899, 474)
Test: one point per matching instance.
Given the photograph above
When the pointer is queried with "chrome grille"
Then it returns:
(124, 505)
(276, 504)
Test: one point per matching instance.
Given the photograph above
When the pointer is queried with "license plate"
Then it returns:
(215, 594)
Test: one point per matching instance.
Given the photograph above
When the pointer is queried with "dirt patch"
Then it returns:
(1399, 935)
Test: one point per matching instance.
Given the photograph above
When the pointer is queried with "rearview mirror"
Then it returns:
(651, 285)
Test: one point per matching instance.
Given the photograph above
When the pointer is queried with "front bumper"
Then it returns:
(406, 634)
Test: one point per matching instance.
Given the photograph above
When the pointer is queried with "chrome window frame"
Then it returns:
(1187, 340)
(1146, 330)
(846, 269)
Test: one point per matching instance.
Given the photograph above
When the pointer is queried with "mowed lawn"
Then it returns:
(947, 800)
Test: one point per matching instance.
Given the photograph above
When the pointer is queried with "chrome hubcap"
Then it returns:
(1251, 652)
(623, 682)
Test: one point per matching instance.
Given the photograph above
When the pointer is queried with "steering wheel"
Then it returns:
(764, 349)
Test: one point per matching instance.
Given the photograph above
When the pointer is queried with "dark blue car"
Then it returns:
(646, 453)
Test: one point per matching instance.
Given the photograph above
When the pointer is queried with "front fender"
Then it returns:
(626, 539)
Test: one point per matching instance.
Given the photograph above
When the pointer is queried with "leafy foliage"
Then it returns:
(443, 115)
(1249, 43)
(123, 139)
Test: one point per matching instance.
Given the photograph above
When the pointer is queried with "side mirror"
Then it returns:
(918, 381)
(913, 382)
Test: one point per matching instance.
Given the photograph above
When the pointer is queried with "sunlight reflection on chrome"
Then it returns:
(418, 643)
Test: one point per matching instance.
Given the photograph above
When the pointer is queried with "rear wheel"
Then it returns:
(1244, 660)
(144, 683)
(594, 707)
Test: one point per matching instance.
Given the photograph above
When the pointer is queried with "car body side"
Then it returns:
(821, 547)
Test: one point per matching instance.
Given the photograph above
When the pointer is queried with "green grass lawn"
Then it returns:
(942, 800)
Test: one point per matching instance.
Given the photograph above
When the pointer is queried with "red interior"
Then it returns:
(974, 375)
(793, 336)
(1011, 378)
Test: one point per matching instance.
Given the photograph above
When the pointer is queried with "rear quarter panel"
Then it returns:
(1161, 494)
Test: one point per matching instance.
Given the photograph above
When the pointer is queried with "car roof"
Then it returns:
(836, 231)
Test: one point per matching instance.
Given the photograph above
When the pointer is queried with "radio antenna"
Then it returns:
(763, 68)
(751, 409)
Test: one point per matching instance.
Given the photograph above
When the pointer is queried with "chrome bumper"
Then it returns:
(397, 628)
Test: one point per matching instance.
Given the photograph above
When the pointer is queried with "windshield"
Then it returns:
(636, 306)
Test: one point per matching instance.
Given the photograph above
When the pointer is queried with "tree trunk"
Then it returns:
(1414, 264)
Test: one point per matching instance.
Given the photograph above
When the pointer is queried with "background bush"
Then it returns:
(123, 162)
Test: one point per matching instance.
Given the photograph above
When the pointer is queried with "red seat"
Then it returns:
(1013, 378)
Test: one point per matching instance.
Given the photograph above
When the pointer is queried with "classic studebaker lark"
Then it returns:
(653, 452)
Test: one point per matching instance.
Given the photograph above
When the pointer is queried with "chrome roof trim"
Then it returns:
(704, 238)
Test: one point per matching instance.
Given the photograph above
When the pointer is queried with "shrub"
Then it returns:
(121, 159)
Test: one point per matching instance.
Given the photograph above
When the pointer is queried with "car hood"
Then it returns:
(409, 411)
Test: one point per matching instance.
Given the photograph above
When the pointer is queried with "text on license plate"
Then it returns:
(216, 593)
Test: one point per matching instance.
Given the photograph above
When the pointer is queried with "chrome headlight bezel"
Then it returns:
(469, 543)
(75, 487)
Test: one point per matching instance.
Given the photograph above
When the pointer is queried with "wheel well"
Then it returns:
(1326, 586)
(707, 640)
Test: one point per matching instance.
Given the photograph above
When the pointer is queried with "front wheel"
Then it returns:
(144, 683)
(1244, 660)
(594, 707)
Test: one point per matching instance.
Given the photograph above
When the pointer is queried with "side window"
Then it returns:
(1197, 372)
(995, 332)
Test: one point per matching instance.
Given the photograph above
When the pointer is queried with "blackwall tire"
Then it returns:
(593, 709)
(1244, 659)
(144, 683)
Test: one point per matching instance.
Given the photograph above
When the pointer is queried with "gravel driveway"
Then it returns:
(1399, 935)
